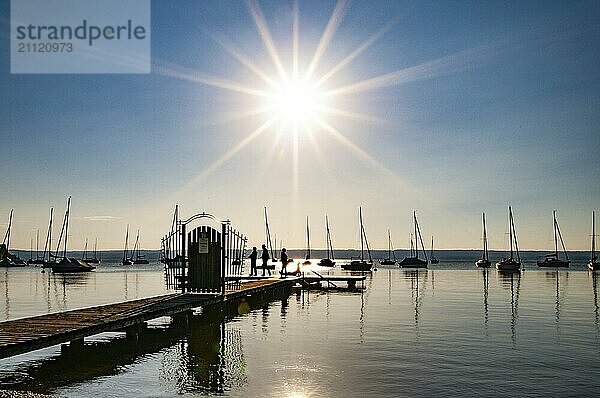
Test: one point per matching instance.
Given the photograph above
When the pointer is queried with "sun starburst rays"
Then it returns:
(293, 102)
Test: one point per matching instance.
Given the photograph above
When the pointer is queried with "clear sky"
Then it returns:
(449, 108)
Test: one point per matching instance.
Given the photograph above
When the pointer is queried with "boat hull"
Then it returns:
(412, 262)
(326, 262)
(8, 263)
(387, 262)
(67, 265)
(553, 263)
(482, 263)
(357, 266)
(508, 265)
(141, 262)
(434, 261)
(593, 266)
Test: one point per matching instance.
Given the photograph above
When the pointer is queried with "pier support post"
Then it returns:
(133, 332)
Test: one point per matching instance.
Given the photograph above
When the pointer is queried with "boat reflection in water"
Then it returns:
(512, 280)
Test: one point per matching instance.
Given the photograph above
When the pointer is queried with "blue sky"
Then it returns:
(491, 104)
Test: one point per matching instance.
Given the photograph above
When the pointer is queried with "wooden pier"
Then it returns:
(33, 333)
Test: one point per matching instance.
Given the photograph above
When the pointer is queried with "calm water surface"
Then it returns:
(436, 332)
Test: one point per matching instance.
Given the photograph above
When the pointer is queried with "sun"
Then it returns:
(296, 102)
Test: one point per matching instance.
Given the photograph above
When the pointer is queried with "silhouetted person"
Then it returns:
(253, 256)
(265, 258)
(284, 262)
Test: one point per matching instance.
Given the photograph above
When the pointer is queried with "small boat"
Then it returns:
(329, 261)
(38, 260)
(67, 264)
(484, 262)
(361, 264)
(552, 259)
(307, 254)
(47, 254)
(593, 264)
(126, 260)
(413, 260)
(268, 239)
(432, 259)
(511, 263)
(136, 257)
(95, 259)
(391, 257)
(6, 258)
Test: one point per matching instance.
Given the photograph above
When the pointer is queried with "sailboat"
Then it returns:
(47, 254)
(391, 257)
(268, 238)
(329, 261)
(432, 259)
(362, 264)
(38, 259)
(126, 260)
(95, 259)
(307, 256)
(510, 263)
(593, 264)
(484, 262)
(6, 258)
(552, 259)
(67, 264)
(136, 257)
(413, 260)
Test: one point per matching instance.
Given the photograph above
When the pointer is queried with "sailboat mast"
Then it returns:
(510, 231)
(268, 233)
(96, 248)
(7, 234)
(126, 239)
(562, 242)
(554, 228)
(514, 235)
(593, 236)
(485, 248)
(420, 239)
(48, 243)
(307, 240)
(67, 226)
(362, 244)
(37, 244)
(85, 249)
(431, 255)
(389, 245)
(415, 227)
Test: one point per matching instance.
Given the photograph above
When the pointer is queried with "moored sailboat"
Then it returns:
(307, 253)
(330, 260)
(413, 260)
(8, 259)
(95, 259)
(484, 261)
(511, 263)
(552, 259)
(268, 240)
(66, 264)
(361, 264)
(593, 264)
(391, 257)
(432, 259)
(126, 260)
(136, 257)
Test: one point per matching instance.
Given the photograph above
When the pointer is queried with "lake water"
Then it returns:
(452, 330)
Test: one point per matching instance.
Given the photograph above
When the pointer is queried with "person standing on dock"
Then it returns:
(253, 256)
(265, 258)
(284, 261)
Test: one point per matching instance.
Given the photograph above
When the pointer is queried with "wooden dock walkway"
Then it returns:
(29, 334)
